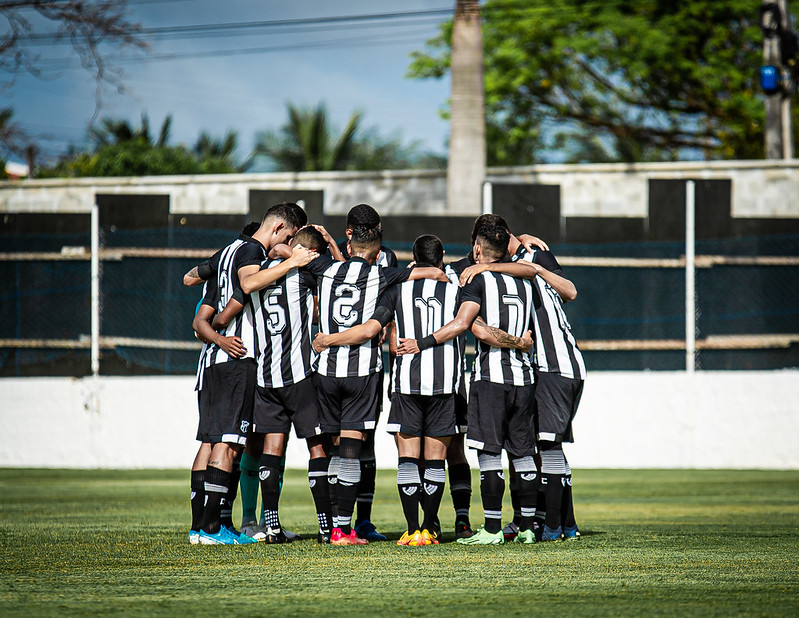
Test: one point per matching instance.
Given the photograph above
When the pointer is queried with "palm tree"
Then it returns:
(114, 131)
(207, 146)
(467, 158)
(306, 143)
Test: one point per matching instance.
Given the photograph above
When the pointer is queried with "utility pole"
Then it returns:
(778, 77)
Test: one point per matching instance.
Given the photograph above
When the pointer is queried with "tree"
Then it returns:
(307, 143)
(467, 146)
(84, 23)
(124, 150)
(669, 78)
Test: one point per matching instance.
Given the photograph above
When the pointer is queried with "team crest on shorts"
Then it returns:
(409, 491)
(429, 489)
(244, 426)
(528, 476)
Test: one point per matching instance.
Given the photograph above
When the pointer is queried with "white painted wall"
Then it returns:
(626, 420)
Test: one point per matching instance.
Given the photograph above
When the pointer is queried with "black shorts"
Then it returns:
(556, 401)
(348, 403)
(226, 402)
(461, 412)
(277, 408)
(422, 415)
(500, 417)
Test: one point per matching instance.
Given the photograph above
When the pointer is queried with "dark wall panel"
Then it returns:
(603, 229)
(667, 209)
(530, 208)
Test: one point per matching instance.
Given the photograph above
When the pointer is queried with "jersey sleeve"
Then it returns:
(548, 261)
(473, 291)
(384, 312)
(391, 257)
(249, 254)
(395, 275)
(319, 265)
(211, 296)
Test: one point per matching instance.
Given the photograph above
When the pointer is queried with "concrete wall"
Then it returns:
(626, 420)
(760, 189)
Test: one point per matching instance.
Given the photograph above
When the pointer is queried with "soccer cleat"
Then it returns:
(571, 533)
(323, 538)
(275, 536)
(431, 538)
(484, 537)
(366, 530)
(337, 537)
(463, 530)
(403, 540)
(510, 531)
(223, 537)
(194, 537)
(254, 531)
(243, 538)
(548, 534)
(526, 537)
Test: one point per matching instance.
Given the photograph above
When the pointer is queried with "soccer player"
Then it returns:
(364, 215)
(500, 401)
(348, 377)
(285, 394)
(229, 382)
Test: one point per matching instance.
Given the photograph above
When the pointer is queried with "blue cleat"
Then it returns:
(223, 537)
(571, 533)
(548, 534)
(366, 530)
(243, 538)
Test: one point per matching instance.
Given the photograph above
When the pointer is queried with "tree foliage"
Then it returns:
(618, 80)
(125, 150)
(307, 143)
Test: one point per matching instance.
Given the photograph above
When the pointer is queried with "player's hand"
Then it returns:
(300, 256)
(531, 242)
(527, 341)
(471, 272)
(319, 344)
(324, 233)
(234, 346)
(384, 333)
(407, 346)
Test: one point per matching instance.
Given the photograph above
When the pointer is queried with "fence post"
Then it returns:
(690, 276)
(488, 198)
(95, 300)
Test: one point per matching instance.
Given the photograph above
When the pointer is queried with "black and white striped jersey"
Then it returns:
(241, 252)
(210, 298)
(283, 316)
(386, 257)
(420, 308)
(348, 295)
(555, 349)
(505, 303)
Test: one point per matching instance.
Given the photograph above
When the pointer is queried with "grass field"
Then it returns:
(654, 542)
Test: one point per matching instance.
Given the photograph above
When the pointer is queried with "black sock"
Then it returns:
(410, 490)
(366, 487)
(492, 488)
(527, 482)
(349, 476)
(216, 488)
(460, 487)
(514, 497)
(317, 481)
(435, 478)
(269, 474)
(197, 498)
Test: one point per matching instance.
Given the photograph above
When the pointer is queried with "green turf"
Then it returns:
(654, 542)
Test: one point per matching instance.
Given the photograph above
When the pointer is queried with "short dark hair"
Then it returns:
(310, 238)
(364, 237)
(428, 250)
(286, 212)
(487, 219)
(250, 228)
(362, 214)
(302, 216)
(493, 240)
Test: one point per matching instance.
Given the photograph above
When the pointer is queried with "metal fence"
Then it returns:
(112, 302)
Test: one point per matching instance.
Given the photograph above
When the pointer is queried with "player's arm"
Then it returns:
(233, 346)
(231, 310)
(252, 278)
(527, 241)
(498, 338)
(355, 335)
(331, 244)
(198, 275)
(427, 272)
(460, 324)
(523, 269)
(280, 251)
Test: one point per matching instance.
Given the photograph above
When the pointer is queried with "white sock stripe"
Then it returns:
(408, 474)
(349, 470)
(435, 475)
(460, 487)
(528, 512)
(493, 514)
(489, 462)
(215, 489)
(317, 473)
(524, 464)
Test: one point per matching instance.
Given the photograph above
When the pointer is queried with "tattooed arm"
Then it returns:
(498, 338)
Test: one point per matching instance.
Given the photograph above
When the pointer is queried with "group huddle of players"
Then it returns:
(261, 371)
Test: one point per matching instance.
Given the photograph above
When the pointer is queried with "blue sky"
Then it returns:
(215, 87)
